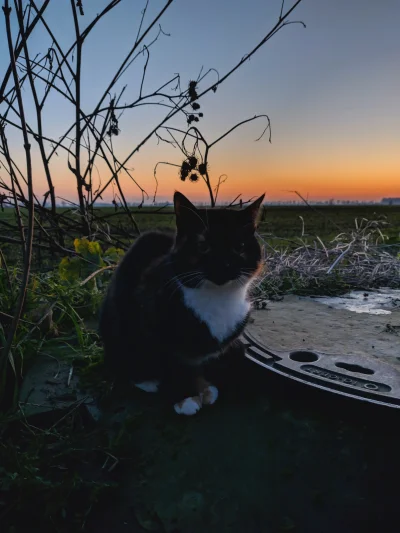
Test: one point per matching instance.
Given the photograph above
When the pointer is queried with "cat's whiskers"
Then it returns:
(185, 276)
(250, 282)
(202, 279)
(198, 276)
(247, 278)
(194, 277)
(181, 277)
(241, 280)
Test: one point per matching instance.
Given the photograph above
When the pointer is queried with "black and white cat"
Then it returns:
(177, 301)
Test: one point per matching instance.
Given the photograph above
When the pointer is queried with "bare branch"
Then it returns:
(6, 355)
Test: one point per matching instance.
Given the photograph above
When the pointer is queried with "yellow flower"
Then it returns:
(94, 248)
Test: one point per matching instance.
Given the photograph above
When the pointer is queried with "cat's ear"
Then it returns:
(252, 210)
(187, 216)
(182, 205)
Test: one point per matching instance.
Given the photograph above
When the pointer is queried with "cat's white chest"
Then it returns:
(221, 308)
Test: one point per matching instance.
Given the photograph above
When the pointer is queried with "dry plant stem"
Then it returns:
(11, 240)
(138, 41)
(122, 68)
(84, 34)
(38, 109)
(159, 211)
(99, 146)
(48, 139)
(11, 164)
(5, 266)
(316, 210)
(234, 200)
(14, 181)
(222, 179)
(78, 131)
(208, 181)
(19, 47)
(99, 271)
(63, 75)
(74, 407)
(59, 49)
(9, 317)
(367, 265)
(125, 204)
(6, 355)
(268, 126)
(338, 259)
(38, 323)
(99, 140)
(194, 133)
(279, 25)
(39, 139)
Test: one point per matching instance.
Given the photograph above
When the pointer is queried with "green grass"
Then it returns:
(327, 222)
(280, 221)
(285, 221)
(51, 467)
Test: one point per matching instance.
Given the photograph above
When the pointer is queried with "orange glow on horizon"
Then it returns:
(356, 185)
(340, 172)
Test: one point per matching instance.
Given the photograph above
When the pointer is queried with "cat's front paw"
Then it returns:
(188, 406)
(209, 395)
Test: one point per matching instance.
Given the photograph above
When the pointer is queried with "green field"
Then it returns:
(279, 225)
(279, 220)
(284, 222)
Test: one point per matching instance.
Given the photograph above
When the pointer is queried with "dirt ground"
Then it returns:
(298, 323)
(270, 455)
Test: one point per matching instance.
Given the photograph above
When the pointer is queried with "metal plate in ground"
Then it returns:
(331, 349)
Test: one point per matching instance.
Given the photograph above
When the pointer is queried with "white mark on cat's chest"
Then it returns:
(222, 308)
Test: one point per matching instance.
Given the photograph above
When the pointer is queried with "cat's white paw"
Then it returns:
(148, 386)
(209, 395)
(189, 406)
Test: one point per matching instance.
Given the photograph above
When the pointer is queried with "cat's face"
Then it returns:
(217, 245)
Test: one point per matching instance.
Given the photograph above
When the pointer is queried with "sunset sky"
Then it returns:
(332, 92)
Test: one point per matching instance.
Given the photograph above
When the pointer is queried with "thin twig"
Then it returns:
(3, 264)
(109, 267)
(31, 209)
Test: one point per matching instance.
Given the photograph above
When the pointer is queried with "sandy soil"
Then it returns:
(304, 323)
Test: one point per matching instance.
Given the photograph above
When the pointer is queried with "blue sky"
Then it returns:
(331, 91)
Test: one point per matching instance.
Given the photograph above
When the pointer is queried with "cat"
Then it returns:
(176, 301)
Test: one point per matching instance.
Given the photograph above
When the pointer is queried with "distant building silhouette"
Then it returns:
(390, 201)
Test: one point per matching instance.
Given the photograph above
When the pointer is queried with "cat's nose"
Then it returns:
(227, 264)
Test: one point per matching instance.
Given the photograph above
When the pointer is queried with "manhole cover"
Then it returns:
(335, 349)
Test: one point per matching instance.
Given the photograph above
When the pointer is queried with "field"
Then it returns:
(300, 242)
(286, 221)
(277, 222)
